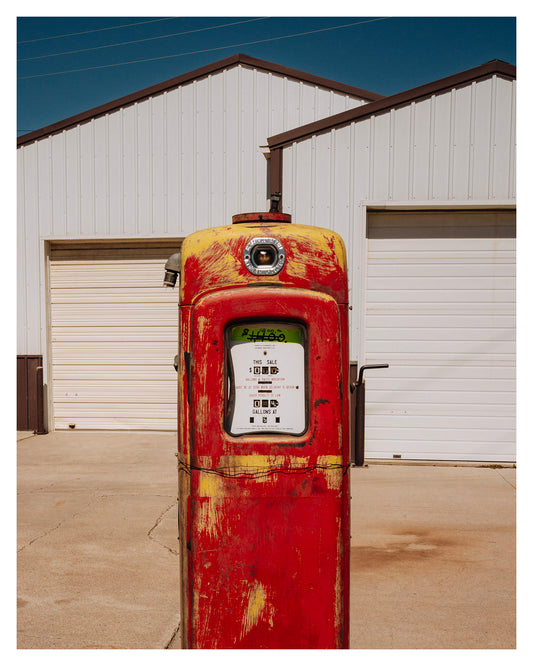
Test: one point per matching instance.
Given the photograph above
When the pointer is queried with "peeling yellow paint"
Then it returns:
(260, 461)
(333, 471)
(210, 485)
(204, 407)
(257, 599)
(201, 324)
(211, 517)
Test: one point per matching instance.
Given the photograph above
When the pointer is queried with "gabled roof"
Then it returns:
(232, 61)
(494, 67)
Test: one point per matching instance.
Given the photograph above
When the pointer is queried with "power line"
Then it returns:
(147, 39)
(217, 48)
(86, 32)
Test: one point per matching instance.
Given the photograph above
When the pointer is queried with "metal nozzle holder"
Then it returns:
(172, 270)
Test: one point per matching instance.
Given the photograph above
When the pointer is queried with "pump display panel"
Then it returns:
(266, 378)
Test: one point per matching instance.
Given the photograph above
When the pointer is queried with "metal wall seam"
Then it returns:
(240, 117)
(59, 186)
(472, 140)
(332, 180)
(255, 137)
(194, 160)
(165, 163)
(151, 165)
(44, 164)
(381, 156)
(137, 164)
(299, 106)
(431, 149)
(71, 151)
(294, 152)
(451, 143)
(492, 138)
(122, 162)
(179, 150)
(106, 194)
(98, 177)
(93, 176)
(210, 162)
(224, 146)
(135, 196)
(210, 159)
(343, 181)
(312, 194)
(128, 192)
(371, 138)
(411, 157)
(86, 179)
(285, 105)
(392, 128)
(511, 181)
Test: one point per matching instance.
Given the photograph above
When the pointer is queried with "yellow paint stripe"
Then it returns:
(213, 484)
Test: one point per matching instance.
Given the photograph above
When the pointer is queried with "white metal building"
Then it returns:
(421, 186)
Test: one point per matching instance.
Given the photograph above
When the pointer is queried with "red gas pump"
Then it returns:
(264, 436)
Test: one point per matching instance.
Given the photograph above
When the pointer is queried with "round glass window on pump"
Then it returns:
(264, 256)
(267, 378)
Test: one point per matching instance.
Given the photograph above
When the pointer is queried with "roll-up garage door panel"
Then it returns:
(114, 336)
(441, 311)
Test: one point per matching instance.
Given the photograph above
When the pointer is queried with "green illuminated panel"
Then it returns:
(266, 334)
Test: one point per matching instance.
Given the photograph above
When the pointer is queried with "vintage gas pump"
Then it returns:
(263, 451)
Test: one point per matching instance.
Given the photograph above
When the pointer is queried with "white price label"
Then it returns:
(268, 385)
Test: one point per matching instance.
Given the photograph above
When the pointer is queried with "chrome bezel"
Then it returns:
(273, 269)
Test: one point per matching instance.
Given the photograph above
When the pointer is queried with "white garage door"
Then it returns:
(114, 331)
(441, 310)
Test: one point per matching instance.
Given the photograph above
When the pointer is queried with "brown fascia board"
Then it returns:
(383, 105)
(169, 84)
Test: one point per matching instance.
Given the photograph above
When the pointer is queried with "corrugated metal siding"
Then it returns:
(183, 160)
(114, 332)
(441, 311)
(457, 146)
(30, 259)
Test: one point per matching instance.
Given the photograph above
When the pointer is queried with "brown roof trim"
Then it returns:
(195, 74)
(385, 104)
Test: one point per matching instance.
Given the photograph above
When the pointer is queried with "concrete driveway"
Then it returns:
(432, 556)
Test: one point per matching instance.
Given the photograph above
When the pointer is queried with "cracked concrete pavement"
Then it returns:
(98, 549)
(432, 556)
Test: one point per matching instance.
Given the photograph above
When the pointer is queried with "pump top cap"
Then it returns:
(261, 218)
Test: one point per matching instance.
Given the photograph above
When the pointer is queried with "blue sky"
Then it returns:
(66, 65)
